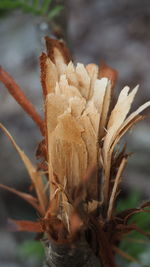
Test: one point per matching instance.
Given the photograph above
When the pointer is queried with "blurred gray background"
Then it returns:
(115, 31)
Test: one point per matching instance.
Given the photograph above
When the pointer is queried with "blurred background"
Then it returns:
(114, 31)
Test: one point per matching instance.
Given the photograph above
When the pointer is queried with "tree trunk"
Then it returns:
(65, 255)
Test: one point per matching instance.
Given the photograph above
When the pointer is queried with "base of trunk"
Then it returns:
(66, 255)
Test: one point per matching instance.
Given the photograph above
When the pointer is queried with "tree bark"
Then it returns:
(64, 255)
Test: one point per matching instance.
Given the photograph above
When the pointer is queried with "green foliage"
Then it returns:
(134, 244)
(132, 201)
(36, 7)
(31, 249)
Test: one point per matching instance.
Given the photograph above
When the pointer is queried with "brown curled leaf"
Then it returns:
(124, 254)
(145, 205)
(28, 226)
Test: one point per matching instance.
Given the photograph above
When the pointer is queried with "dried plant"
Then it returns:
(80, 160)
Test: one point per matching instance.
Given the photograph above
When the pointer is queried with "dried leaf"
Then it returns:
(121, 132)
(118, 116)
(116, 120)
(36, 177)
(136, 113)
(135, 240)
(126, 125)
(28, 226)
(141, 231)
(55, 229)
(105, 110)
(128, 213)
(30, 199)
(124, 255)
(145, 204)
(115, 188)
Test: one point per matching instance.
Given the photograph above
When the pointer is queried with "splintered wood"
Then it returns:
(77, 181)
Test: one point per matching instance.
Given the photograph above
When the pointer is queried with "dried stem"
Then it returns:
(20, 97)
(124, 255)
(115, 187)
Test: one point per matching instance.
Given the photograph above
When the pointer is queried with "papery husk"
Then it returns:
(83, 131)
(80, 161)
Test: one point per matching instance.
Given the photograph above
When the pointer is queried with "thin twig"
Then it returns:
(20, 97)
(115, 187)
(124, 254)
